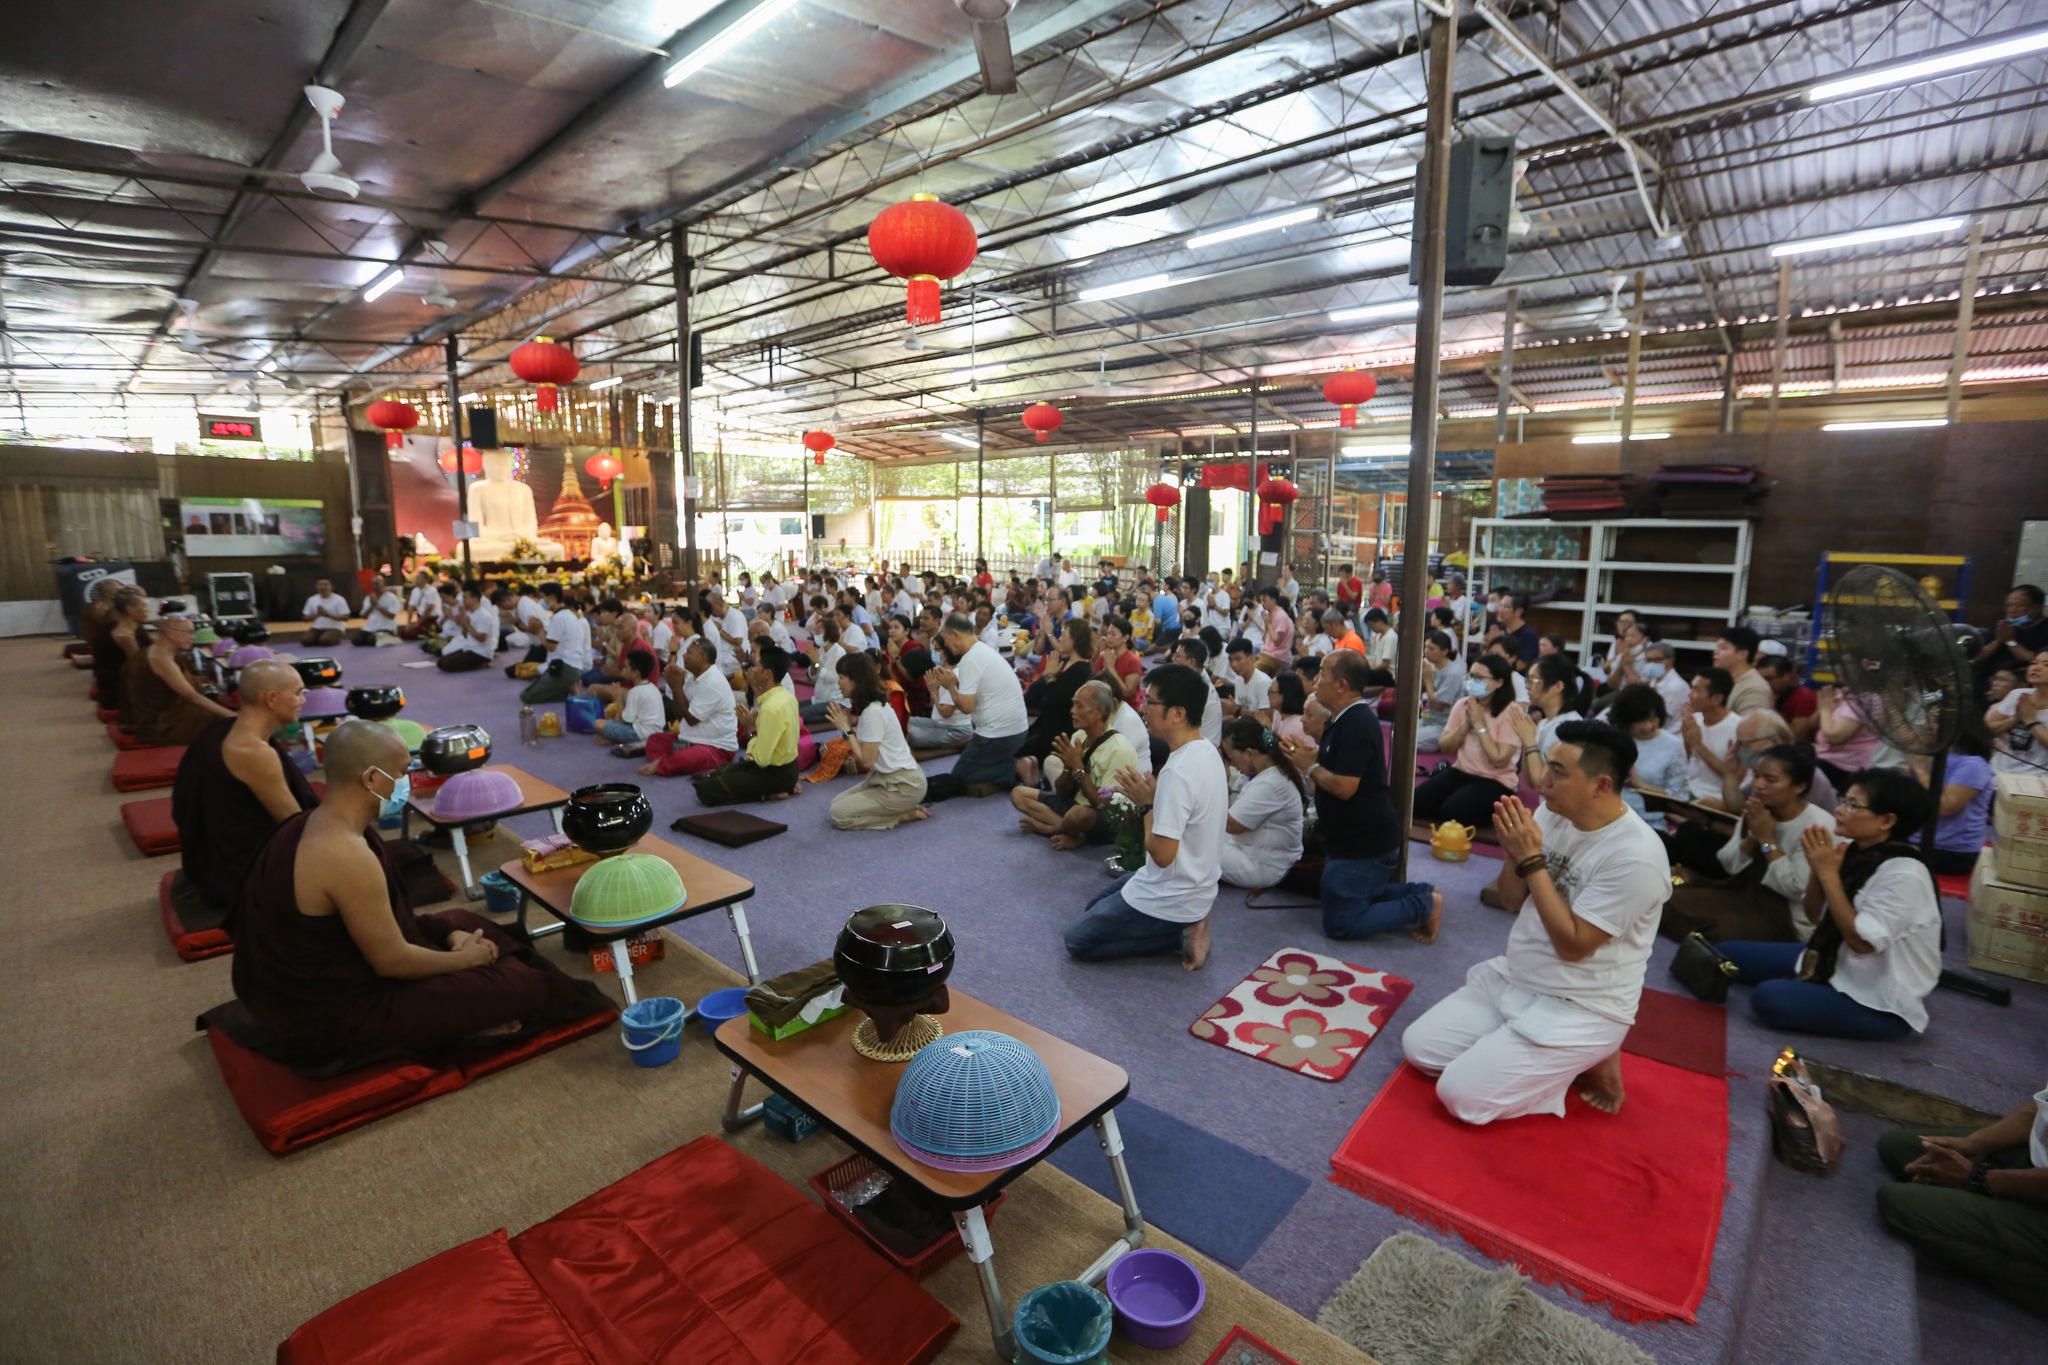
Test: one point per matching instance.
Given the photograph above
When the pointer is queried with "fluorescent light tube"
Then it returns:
(1608, 438)
(471, 398)
(606, 383)
(1926, 227)
(383, 284)
(1400, 308)
(1896, 424)
(268, 366)
(1926, 69)
(1256, 226)
(728, 38)
(1400, 448)
(957, 439)
(1144, 284)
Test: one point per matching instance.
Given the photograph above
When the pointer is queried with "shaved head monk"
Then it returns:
(159, 700)
(235, 786)
(330, 959)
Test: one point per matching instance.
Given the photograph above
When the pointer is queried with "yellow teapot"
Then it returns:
(549, 725)
(1451, 842)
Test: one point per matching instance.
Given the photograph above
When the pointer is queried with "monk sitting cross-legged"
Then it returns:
(160, 702)
(235, 786)
(330, 959)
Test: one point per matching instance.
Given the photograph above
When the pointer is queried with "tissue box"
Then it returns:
(550, 852)
(786, 1120)
(794, 1026)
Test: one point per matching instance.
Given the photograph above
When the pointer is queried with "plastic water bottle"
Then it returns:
(529, 727)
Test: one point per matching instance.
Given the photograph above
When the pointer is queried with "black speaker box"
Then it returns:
(483, 428)
(1482, 191)
(817, 526)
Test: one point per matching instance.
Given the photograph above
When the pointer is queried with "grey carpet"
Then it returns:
(1416, 1303)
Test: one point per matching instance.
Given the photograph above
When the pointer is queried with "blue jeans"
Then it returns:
(1782, 1001)
(593, 676)
(618, 732)
(1109, 928)
(1360, 899)
(987, 760)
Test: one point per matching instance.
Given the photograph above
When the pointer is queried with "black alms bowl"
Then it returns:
(610, 817)
(893, 954)
(320, 672)
(375, 703)
(455, 749)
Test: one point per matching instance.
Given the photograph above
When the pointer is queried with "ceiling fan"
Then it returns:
(991, 19)
(324, 175)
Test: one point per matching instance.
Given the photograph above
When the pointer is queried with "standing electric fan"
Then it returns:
(1897, 656)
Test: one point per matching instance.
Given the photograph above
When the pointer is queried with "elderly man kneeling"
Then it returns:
(1087, 762)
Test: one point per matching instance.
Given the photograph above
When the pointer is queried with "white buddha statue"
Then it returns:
(604, 546)
(503, 510)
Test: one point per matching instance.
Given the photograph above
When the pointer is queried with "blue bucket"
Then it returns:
(1063, 1323)
(719, 1006)
(501, 893)
(652, 1030)
(581, 714)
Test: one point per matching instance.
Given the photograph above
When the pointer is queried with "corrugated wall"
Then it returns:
(58, 503)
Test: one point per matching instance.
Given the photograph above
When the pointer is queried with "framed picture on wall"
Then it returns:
(221, 528)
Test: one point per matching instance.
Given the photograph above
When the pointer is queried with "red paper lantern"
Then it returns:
(1274, 496)
(393, 419)
(1043, 418)
(1163, 496)
(818, 442)
(1348, 390)
(922, 241)
(545, 364)
(604, 467)
(472, 461)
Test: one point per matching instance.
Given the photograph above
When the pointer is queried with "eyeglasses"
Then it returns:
(1850, 803)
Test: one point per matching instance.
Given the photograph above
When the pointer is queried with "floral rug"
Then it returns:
(1308, 1013)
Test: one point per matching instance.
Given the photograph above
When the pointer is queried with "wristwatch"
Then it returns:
(1980, 1177)
(1765, 850)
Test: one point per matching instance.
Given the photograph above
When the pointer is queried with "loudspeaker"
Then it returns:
(817, 526)
(1476, 219)
(696, 360)
(483, 428)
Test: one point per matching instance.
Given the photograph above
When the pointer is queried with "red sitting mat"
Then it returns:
(1622, 1209)
(125, 741)
(193, 945)
(286, 1111)
(473, 1304)
(141, 770)
(1681, 1031)
(706, 1255)
(1954, 886)
(151, 826)
(104, 716)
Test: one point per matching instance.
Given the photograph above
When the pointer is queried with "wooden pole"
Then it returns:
(1966, 309)
(452, 354)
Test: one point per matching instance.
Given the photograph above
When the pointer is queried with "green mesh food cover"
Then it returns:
(411, 731)
(631, 888)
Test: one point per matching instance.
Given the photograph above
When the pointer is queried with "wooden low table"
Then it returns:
(819, 1070)
(709, 886)
(534, 795)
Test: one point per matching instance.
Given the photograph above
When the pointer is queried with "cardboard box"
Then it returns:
(2008, 924)
(641, 949)
(2021, 819)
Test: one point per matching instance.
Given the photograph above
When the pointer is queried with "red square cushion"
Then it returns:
(191, 944)
(140, 770)
(104, 716)
(471, 1305)
(150, 825)
(708, 1256)
(286, 1111)
(125, 741)
(477, 1062)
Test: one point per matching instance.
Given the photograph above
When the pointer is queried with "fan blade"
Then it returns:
(992, 49)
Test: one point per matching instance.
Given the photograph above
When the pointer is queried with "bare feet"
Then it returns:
(650, 770)
(1063, 842)
(918, 813)
(500, 1031)
(1194, 952)
(1601, 1087)
(1425, 932)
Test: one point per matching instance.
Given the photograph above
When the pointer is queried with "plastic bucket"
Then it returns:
(652, 1030)
(501, 893)
(1063, 1323)
(1157, 1296)
(719, 1006)
(580, 714)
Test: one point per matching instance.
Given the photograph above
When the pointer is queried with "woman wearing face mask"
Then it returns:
(1487, 751)
(1660, 755)
(1763, 898)
(1875, 953)
(1659, 669)
(1558, 692)
(1443, 682)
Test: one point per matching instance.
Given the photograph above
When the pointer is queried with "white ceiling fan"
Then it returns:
(324, 176)
(991, 19)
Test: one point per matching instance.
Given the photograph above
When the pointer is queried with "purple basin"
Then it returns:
(1157, 1296)
(248, 654)
(322, 703)
(476, 795)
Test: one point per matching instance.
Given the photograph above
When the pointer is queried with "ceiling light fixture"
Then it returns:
(731, 36)
(1400, 308)
(1896, 424)
(1608, 438)
(267, 366)
(1927, 68)
(472, 398)
(1378, 448)
(965, 442)
(597, 384)
(1926, 227)
(1144, 284)
(324, 175)
(1257, 225)
(383, 284)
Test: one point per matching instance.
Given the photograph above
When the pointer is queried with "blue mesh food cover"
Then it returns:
(975, 1101)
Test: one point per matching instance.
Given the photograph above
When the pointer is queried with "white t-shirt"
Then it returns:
(1382, 649)
(854, 638)
(569, 633)
(1676, 692)
(1719, 740)
(998, 696)
(1899, 914)
(2019, 750)
(825, 687)
(2037, 1144)
(329, 612)
(991, 636)
(530, 616)
(1126, 721)
(710, 699)
(1254, 693)
(1785, 876)
(424, 601)
(878, 725)
(1211, 721)
(380, 611)
(1190, 804)
(660, 636)
(718, 627)
(1615, 878)
(1270, 809)
(484, 618)
(642, 709)
(1216, 610)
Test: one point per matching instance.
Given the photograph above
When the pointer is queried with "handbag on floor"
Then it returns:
(1806, 1134)
(1703, 969)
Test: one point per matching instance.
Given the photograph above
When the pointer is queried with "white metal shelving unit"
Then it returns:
(1597, 559)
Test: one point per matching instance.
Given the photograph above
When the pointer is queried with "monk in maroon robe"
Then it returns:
(330, 959)
(235, 786)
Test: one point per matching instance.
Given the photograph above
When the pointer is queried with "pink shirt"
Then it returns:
(1855, 754)
(1279, 636)
(1472, 757)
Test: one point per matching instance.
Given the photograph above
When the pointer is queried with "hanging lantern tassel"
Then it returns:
(394, 419)
(818, 442)
(1349, 390)
(545, 364)
(922, 241)
(1274, 496)
(1044, 419)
